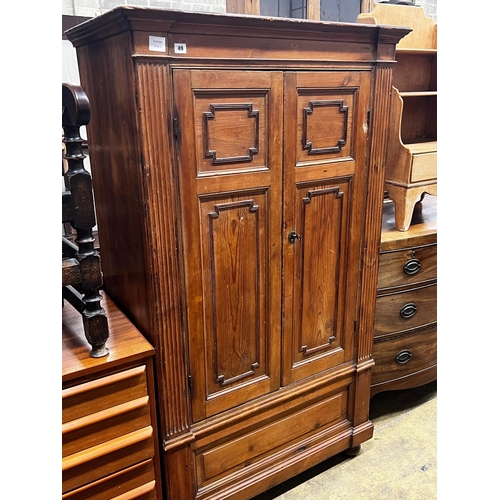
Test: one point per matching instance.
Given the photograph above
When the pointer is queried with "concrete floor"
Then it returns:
(398, 463)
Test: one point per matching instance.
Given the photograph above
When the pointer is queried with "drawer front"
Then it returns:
(137, 482)
(406, 310)
(404, 355)
(408, 266)
(106, 427)
(424, 167)
(107, 458)
(103, 393)
(324, 418)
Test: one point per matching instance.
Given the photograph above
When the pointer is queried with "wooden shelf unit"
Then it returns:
(411, 167)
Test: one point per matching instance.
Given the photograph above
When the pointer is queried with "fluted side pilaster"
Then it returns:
(381, 99)
(163, 219)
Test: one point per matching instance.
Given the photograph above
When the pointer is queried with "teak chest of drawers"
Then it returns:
(405, 345)
(109, 436)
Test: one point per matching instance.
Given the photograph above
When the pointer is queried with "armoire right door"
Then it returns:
(325, 140)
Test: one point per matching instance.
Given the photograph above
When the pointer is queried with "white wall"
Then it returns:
(429, 6)
(92, 8)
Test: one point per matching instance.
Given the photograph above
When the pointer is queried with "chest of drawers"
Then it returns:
(405, 343)
(109, 437)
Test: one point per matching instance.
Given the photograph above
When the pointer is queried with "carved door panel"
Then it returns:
(229, 139)
(324, 157)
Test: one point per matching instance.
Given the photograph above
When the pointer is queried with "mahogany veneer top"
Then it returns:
(125, 342)
(422, 230)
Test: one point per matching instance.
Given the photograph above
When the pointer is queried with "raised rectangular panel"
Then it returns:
(325, 117)
(233, 131)
(234, 241)
(237, 329)
(320, 282)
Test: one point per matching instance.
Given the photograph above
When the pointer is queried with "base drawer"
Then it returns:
(253, 446)
(136, 482)
(399, 356)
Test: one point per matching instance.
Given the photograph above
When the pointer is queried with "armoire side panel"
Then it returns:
(106, 74)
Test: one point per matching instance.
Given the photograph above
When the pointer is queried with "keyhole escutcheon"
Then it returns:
(292, 236)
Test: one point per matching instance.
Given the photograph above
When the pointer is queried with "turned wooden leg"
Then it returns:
(95, 324)
(352, 452)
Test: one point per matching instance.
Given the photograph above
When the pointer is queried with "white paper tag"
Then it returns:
(157, 43)
(180, 48)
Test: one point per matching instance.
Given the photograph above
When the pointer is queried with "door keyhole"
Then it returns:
(292, 236)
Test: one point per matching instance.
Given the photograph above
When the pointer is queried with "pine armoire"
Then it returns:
(238, 167)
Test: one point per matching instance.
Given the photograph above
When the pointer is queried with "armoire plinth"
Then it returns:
(238, 167)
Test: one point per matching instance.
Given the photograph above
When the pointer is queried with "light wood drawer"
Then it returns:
(424, 167)
(402, 355)
(408, 266)
(105, 425)
(103, 393)
(107, 458)
(406, 310)
(136, 482)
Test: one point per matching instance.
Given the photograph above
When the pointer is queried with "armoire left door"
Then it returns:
(229, 149)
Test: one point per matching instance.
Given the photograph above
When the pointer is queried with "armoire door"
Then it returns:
(229, 140)
(251, 203)
(326, 129)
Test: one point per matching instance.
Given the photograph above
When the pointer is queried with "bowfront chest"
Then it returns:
(405, 343)
(238, 175)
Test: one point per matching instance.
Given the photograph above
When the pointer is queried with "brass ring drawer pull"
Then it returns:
(412, 267)
(403, 357)
(408, 311)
